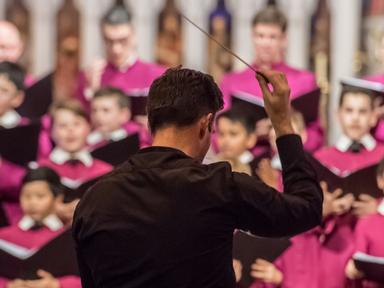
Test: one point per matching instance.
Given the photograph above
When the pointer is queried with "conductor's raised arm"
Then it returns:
(263, 210)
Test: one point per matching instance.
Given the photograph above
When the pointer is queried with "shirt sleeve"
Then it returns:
(85, 272)
(264, 211)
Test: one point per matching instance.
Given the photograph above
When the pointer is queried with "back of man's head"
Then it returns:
(180, 97)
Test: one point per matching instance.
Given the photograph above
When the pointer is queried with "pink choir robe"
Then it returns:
(379, 130)
(369, 239)
(11, 176)
(29, 80)
(300, 82)
(78, 172)
(347, 162)
(138, 76)
(35, 239)
(317, 258)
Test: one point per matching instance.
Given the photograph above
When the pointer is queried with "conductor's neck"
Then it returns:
(183, 139)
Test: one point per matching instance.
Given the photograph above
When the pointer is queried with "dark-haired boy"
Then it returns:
(235, 137)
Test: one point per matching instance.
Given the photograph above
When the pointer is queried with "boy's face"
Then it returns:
(269, 43)
(233, 139)
(356, 115)
(70, 131)
(37, 200)
(10, 97)
(107, 116)
(119, 43)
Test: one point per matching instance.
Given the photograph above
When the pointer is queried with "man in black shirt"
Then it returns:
(163, 219)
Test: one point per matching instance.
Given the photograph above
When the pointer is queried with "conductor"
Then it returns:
(163, 219)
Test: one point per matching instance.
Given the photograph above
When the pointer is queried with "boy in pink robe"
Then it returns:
(356, 148)
(38, 226)
(111, 119)
(71, 158)
(270, 40)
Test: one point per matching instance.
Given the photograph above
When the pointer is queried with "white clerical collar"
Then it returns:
(276, 162)
(344, 143)
(52, 222)
(59, 156)
(10, 119)
(246, 157)
(96, 136)
(380, 209)
(129, 63)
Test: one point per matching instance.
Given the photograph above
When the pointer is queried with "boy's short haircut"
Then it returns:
(73, 106)
(45, 174)
(14, 72)
(111, 92)
(242, 116)
(356, 90)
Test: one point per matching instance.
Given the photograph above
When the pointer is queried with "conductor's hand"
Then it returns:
(276, 100)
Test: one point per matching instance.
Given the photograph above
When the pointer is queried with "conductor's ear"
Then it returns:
(206, 124)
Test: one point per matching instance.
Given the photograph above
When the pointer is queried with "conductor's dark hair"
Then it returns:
(242, 116)
(45, 174)
(14, 72)
(113, 93)
(180, 97)
(271, 15)
(346, 89)
(117, 14)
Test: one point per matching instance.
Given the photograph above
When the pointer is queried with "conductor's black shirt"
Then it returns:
(165, 220)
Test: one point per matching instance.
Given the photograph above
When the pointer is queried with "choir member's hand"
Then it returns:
(365, 205)
(343, 204)
(93, 74)
(266, 272)
(276, 101)
(238, 268)
(266, 173)
(46, 281)
(263, 127)
(351, 271)
(65, 211)
(333, 203)
(17, 283)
